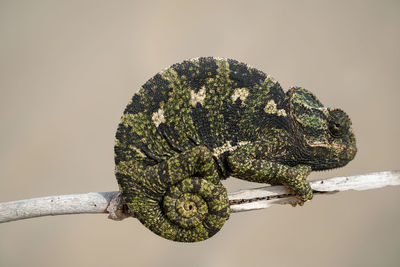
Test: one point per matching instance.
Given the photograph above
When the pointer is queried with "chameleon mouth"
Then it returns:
(349, 153)
(334, 164)
(332, 161)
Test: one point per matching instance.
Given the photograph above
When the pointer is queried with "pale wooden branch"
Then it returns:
(243, 200)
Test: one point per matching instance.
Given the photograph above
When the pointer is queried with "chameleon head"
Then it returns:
(328, 139)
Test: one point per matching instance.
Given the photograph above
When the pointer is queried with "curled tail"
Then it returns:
(191, 210)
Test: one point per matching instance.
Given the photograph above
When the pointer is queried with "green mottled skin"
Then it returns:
(205, 119)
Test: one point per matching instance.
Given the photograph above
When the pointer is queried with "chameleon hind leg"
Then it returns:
(264, 171)
(182, 198)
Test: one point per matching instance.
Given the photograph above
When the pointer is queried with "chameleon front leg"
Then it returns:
(270, 172)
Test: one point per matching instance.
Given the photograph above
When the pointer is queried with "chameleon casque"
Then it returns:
(205, 119)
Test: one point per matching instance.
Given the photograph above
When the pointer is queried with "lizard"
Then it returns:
(206, 119)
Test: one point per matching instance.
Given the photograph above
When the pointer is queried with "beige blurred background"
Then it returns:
(68, 69)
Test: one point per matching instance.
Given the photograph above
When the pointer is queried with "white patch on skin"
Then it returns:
(270, 108)
(158, 117)
(242, 143)
(271, 79)
(241, 93)
(331, 146)
(220, 58)
(197, 97)
(137, 150)
(227, 147)
(282, 112)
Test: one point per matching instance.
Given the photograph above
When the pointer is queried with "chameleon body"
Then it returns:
(205, 119)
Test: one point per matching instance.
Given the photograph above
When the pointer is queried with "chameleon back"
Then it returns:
(206, 101)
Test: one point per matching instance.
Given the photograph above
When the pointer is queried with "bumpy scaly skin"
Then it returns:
(206, 119)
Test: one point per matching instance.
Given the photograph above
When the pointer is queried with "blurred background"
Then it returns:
(68, 69)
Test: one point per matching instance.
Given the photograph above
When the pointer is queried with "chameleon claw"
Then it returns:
(297, 202)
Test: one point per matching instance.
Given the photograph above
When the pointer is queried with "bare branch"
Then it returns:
(55, 205)
(264, 197)
(243, 200)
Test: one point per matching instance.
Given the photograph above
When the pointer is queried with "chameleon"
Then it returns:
(203, 120)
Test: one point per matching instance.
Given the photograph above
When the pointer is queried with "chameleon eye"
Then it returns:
(338, 123)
